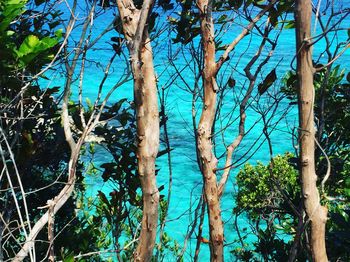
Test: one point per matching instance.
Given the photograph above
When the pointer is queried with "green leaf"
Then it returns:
(222, 19)
(9, 33)
(290, 24)
(69, 258)
(33, 46)
(46, 43)
(59, 34)
(28, 46)
(11, 10)
(89, 104)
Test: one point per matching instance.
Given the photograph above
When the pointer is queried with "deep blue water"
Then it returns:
(186, 186)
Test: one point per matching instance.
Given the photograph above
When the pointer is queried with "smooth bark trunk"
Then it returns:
(317, 214)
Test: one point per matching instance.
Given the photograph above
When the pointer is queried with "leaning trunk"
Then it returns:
(316, 213)
(205, 146)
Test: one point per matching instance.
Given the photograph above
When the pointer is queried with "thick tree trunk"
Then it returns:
(145, 95)
(205, 147)
(316, 213)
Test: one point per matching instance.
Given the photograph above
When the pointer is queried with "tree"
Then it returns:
(42, 200)
(317, 214)
(34, 126)
(135, 28)
(329, 93)
(213, 95)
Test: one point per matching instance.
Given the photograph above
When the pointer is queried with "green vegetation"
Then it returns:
(269, 195)
(36, 158)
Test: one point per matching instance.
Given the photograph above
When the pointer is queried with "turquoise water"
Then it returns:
(187, 180)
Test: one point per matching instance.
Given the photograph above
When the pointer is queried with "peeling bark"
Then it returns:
(145, 96)
(317, 214)
(205, 146)
(208, 162)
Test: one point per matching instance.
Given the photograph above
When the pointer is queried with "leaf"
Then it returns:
(51, 91)
(58, 34)
(33, 46)
(273, 16)
(161, 188)
(236, 4)
(69, 258)
(152, 21)
(117, 49)
(10, 33)
(166, 4)
(10, 11)
(222, 19)
(116, 107)
(231, 82)
(46, 43)
(28, 45)
(103, 198)
(268, 81)
(39, 2)
(118, 25)
(54, 24)
(163, 152)
(89, 104)
(290, 24)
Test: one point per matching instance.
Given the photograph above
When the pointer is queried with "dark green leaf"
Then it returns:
(268, 81)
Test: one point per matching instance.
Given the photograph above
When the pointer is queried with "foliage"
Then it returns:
(25, 46)
(186, 22)
(260, 188)
(30, 36)
(254, 186)
(31, 124)
(262, 196)
(332, 118)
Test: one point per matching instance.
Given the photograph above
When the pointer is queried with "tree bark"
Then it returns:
(51, 230)
(205, 146)
(145, 96)
(317, 214)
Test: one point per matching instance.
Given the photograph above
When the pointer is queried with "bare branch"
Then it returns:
(244, 33)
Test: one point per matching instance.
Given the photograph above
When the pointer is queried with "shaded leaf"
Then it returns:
(268, 81)
(231, 82)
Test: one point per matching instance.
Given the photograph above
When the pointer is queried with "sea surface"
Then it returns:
(187, 180)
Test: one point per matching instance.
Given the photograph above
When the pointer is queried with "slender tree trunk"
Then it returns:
(147, 149)
(145, 96)
(316, 213)
(205, 146)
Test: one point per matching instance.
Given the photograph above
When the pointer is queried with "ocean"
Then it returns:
(187, 180)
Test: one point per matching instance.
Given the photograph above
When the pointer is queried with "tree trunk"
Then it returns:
(316, 213)
(205, 146)
(145, 96)
(147, 149)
